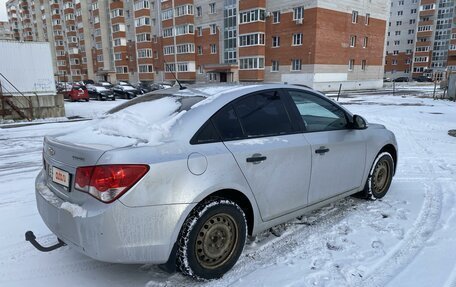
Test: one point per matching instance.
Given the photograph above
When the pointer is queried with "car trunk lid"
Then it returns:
(60, 160)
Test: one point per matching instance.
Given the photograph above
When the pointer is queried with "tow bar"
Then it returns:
(29, 236)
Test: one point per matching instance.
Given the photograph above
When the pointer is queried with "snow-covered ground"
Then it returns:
(406, 239)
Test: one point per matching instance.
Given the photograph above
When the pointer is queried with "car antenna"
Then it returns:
(174, 75)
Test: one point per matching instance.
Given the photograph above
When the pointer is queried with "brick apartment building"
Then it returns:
(5, 31)
(421, 39)
(317, 43)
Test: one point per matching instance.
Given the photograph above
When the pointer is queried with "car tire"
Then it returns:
(211, 239)
(380, 177)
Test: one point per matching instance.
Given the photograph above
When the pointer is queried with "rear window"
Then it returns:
(185, 103)
(146, 120)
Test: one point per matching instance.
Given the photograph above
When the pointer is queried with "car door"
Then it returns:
(273, 156)
(338, 151)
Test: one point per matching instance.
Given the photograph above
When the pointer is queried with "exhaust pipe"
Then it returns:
(30, 237)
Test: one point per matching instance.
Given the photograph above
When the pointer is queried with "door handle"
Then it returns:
(322, 150)
(256, 158)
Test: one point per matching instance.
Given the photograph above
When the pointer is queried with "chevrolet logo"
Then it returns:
(51, 151)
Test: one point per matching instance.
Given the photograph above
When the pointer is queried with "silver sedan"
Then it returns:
(180, 177)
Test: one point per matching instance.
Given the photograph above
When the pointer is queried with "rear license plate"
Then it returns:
(61, 177)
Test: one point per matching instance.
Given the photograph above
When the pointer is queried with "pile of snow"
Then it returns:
(74, 210)
(145, 123)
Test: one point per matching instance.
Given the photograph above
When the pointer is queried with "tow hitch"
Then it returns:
(29, 236)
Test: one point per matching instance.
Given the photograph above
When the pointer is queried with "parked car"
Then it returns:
(126, 91)
(386, 80)
(423, 79)
(145, 87)
(88, 82)
(64, 86)
(77, 93)
(107, 85)
(401, 79)
(185, 175)
(101, 93)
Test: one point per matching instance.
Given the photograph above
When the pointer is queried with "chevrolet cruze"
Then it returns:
(180, 177)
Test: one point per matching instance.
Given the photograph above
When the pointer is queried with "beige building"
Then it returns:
(5, 31)
(421, 38)
(316, 43)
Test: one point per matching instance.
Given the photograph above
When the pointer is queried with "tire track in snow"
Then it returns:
(275, 250)
(404, 252)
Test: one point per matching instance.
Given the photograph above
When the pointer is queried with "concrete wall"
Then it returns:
(42, 107)
(452, 86)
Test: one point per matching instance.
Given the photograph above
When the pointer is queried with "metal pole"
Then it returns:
(338, 94)
(435, 88)
(394, 88)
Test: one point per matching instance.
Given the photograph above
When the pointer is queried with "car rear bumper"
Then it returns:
(111, 232)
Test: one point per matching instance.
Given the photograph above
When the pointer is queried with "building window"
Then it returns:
(213, 49)
(275, 66)
(211, 8)
(184, 10)
(394, 62)
(141, 5)
(363, 65)
(365, 42)
(275, 41)
(168, 50)
(298, 13)
(168, 32)
(200, 69)
(145, 53)
(117, 56)
(354, 16)
(199, 31)
(255, 63)
(213, 28)
(200, 50)
(167, 14)
(297, 39)
(252, 16)
(144, 37)
(142, 21)
(352, 41)
(199, 11)
(146, 68)
(367, 19)
(351, 64)
(296, 64)
(276, 17)
(122, 70)
(251, 39)
(116, 13)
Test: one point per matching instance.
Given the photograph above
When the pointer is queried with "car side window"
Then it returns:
(206, 134)
(317, 113)
(227, 124)
(263, 114)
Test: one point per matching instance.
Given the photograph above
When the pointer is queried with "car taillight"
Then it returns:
(108, 182)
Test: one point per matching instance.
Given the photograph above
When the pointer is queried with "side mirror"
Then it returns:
(359, 123)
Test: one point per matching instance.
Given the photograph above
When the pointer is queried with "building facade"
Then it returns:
(421, 39)
(319, 43)
(5, 31)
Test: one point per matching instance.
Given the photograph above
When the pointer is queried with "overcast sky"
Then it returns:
(3, 16)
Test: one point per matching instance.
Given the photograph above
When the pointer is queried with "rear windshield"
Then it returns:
(184, 102)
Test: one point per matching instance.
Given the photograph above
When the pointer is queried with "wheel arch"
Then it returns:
(391, 150)
(240, 199)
